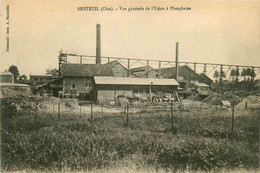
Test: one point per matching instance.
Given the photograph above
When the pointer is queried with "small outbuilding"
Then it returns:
(6, 77)
(201, 88)
(225, 104)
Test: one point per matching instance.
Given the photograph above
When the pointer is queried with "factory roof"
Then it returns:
(169, 72)
(105, 80)
(206, 78)
(86, 70)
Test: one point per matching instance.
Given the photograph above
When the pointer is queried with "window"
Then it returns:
(73, 86)
(88, 83)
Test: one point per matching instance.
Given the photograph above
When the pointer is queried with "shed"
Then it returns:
(6, 77)
(226, 104)
(201, 88)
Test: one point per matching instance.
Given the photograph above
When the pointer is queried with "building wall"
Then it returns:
(6, 79)
(142, 73)
(120, 71)
(110, 94)
(80, 85)
(189, 77)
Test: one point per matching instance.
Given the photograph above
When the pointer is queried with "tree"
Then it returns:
(216, 75)
(53, 72)
(14, 70)
(233, 74)
(244, 74)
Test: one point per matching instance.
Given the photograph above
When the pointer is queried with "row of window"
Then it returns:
(41, 79)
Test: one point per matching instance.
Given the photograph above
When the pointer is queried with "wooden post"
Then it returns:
(36, 109)
(245, 105)
(91, 118)
(172, 115)
(127, 111)
(128, 67)
(53, 107)
(201, 107)
(102, 110)
(180, 122)
(59, 111)
(233, 116)
(165, 108)
(79, 109)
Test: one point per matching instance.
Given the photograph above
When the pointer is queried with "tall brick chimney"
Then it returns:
(98, 47)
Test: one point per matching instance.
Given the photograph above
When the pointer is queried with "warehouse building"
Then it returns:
(108, 87)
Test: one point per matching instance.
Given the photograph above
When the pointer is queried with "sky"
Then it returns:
(212, 32)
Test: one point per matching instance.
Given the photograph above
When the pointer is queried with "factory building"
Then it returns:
(77, 79)
(146, 72)
(186, 77)
(94, 81)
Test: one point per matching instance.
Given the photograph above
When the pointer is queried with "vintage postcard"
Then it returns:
(130, 86)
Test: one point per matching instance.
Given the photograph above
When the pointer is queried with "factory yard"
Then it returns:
(149, 137)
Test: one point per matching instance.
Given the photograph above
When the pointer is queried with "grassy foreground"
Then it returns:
(199, 141)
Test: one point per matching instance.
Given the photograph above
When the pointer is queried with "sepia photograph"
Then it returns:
(130, 86)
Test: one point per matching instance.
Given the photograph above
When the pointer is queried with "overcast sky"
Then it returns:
(214, 32)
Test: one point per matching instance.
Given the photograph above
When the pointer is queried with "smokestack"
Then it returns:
(177, 62)
(98, 47)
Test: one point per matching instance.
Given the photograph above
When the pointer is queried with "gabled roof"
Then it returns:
(108, 80)
(142, 71)
(205, 77)
(86, 70)
(141, 68)
(170, 71)
(115, 62)
(6, 73)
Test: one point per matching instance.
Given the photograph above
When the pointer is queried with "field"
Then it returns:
(196, 141)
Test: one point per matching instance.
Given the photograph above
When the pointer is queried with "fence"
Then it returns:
(172, 110)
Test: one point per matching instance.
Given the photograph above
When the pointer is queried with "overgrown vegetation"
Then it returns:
(198, 141)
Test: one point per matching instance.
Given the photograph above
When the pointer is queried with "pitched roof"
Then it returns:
(205, 77)
(115, 62)
(105, 80)
(86, 70)
(170, 71)
(6, 73)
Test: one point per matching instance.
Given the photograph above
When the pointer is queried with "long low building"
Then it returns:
(108, 87)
